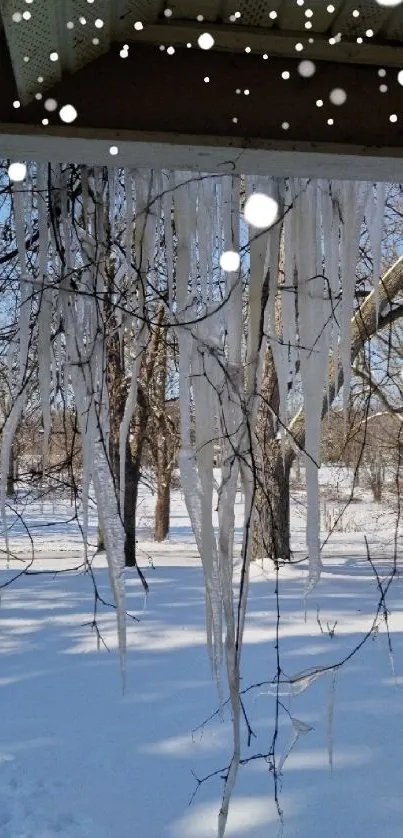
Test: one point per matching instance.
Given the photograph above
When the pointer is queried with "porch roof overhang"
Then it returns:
(159, 110)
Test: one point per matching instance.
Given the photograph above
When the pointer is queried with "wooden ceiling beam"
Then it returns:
(159, 112)
(236, 39)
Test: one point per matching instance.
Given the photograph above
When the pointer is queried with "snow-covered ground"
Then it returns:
(78, 759)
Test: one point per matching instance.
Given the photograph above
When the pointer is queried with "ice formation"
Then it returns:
(164, 232)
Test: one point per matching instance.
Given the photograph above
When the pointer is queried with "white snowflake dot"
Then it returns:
(230, 261)
(338, 96)
(260, 210)
(50, 105)
(68, 113)
(205, 41)
(17, 172)
(306, 69)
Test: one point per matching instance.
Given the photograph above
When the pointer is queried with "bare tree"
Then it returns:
(272, 535)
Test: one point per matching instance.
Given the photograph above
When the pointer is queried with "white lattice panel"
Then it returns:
(68, 27)
(393, 28)
(294, 18)
(80, 49)
(372, 16)
(252, 14)
(32, 39)
(256, 13)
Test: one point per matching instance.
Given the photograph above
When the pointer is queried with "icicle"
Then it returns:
(314, 358)
(300, 728)
(84, 191)
(330, 235)
(25, 288)
(258, 294)
(9, 428)
(144, 241)
(288, 295)
(12, 420)
(353, 199)
(185, 220)
(112, 198)
(375, 220)
(114, 535)
(28, 199)
(167, 206)
(130, 406)
(45, 313)
(241, 444)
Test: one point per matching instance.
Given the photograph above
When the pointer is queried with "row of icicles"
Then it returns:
(223, 311)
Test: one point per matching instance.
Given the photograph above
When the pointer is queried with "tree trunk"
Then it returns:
(271, 517)
(139, 433)
(132, 477)
(162, 508)
(376, 479)
(10, 488)
(163, 445)
(271, 532)
(100, 538)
